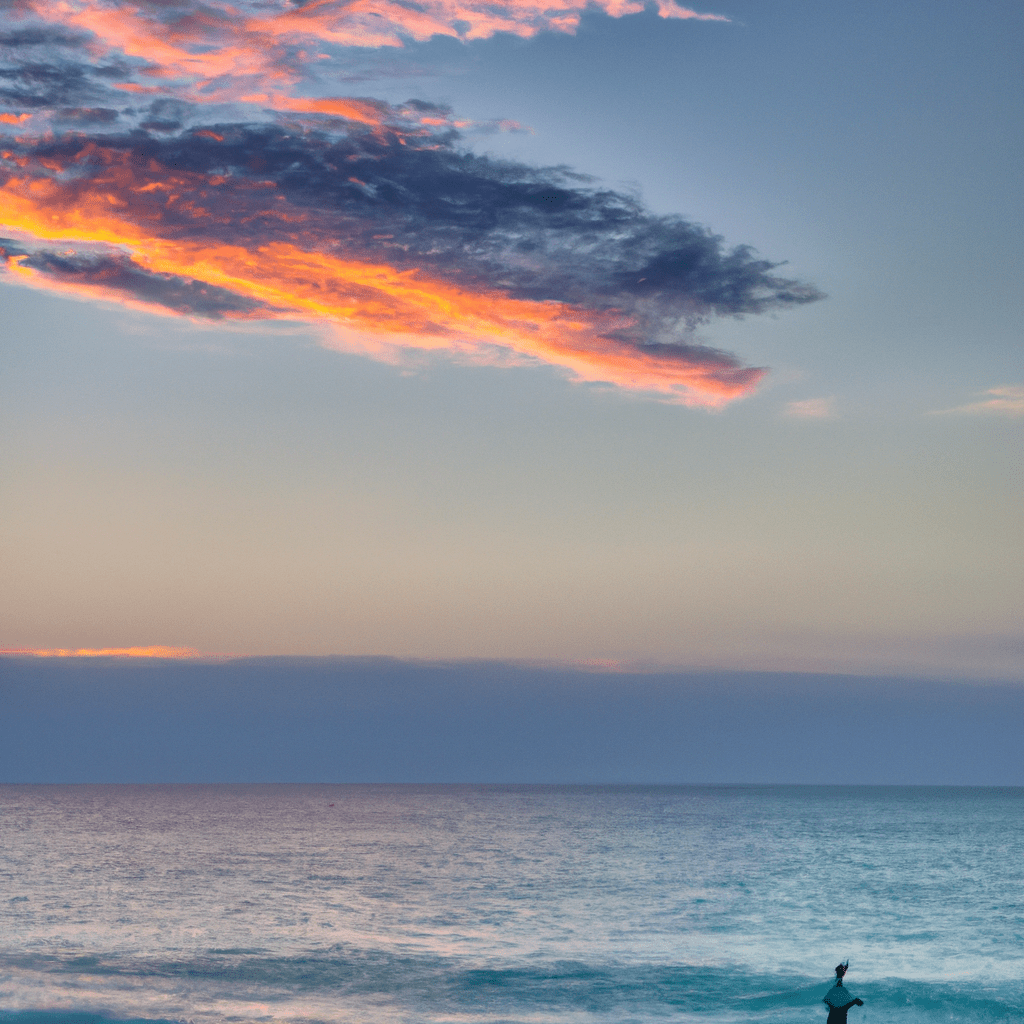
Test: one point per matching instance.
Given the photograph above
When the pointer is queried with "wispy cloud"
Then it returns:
(113, 275)
(811, 409)
(210, 52)
(177, 653)
(115, 183)
(1007, 400)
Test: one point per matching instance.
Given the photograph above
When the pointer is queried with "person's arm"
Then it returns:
(852, 1002)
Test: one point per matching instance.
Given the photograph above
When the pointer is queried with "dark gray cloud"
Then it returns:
(86, 115)
(43, 67)
(45, 85)
(42, 36)
(156, 124)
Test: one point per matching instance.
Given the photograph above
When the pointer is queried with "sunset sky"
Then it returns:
(613, 335)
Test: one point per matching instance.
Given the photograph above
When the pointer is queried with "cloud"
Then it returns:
(42, 35)
(811, 409)
(367, 216)
(86, 115)
(177, 653)
(39, 85)
(208, 52)
(1007, 400)
(391, 229)
(385, 720)
(115, 275)
(212, 50)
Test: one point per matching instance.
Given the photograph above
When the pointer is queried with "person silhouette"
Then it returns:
(838, 999)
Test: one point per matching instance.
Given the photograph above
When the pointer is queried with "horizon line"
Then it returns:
(586, 666)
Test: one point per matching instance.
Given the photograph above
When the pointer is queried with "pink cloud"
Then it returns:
(1007, 400)
(811, 409)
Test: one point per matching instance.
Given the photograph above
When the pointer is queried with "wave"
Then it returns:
(389, 986)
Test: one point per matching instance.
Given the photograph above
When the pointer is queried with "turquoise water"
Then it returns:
(422, 904)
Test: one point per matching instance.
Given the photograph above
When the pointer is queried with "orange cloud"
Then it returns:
(401, 309)
(103, 652)
(361, 111)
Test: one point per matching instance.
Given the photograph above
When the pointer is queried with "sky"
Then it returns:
(618, 336)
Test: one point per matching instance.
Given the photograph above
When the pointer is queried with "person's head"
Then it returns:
(841, 970)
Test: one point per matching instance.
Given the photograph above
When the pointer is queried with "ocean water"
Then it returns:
(549, 905)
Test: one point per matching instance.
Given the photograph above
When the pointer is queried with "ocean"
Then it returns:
(548, 905)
